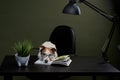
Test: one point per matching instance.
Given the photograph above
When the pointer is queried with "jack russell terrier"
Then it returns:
(47, 52)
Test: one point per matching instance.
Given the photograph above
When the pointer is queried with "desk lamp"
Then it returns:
(72, 8)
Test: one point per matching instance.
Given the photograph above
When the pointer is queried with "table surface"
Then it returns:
(81, 65)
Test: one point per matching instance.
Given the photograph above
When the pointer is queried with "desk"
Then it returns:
(80, 66)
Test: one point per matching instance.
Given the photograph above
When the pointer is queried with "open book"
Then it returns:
(61, 60)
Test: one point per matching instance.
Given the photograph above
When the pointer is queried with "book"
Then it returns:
(61, 60)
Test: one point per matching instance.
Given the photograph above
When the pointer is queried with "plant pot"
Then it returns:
(22, 61)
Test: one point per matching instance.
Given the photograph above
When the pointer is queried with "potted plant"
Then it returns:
(22, 50)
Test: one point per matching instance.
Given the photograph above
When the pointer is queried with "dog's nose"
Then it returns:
(46, 61)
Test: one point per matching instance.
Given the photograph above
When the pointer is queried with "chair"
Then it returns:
(64, 38)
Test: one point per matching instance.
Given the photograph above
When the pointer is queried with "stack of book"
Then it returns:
(61, 60)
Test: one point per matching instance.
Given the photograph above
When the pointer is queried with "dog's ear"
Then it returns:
(41, 48)
(54, 50)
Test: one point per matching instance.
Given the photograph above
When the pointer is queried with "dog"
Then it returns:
(47, 52)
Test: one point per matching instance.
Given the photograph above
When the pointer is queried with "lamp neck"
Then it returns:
(98, 10)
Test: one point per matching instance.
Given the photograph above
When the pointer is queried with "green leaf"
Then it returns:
(23, 48)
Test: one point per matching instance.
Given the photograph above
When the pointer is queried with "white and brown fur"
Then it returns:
(47, 52)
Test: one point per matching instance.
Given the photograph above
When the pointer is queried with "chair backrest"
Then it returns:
(64, 39)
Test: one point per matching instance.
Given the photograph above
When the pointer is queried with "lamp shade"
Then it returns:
(72, 8)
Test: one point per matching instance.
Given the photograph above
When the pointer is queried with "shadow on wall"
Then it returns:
(116, 4)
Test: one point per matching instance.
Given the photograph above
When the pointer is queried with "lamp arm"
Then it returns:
(113, 19)
(107, 42)
(98, 10)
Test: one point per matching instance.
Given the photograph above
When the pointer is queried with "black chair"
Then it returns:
(64, 38)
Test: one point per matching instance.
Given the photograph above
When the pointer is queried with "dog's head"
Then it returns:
(47, 52)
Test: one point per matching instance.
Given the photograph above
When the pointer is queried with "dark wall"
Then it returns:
(35, 19)
(117, 6)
